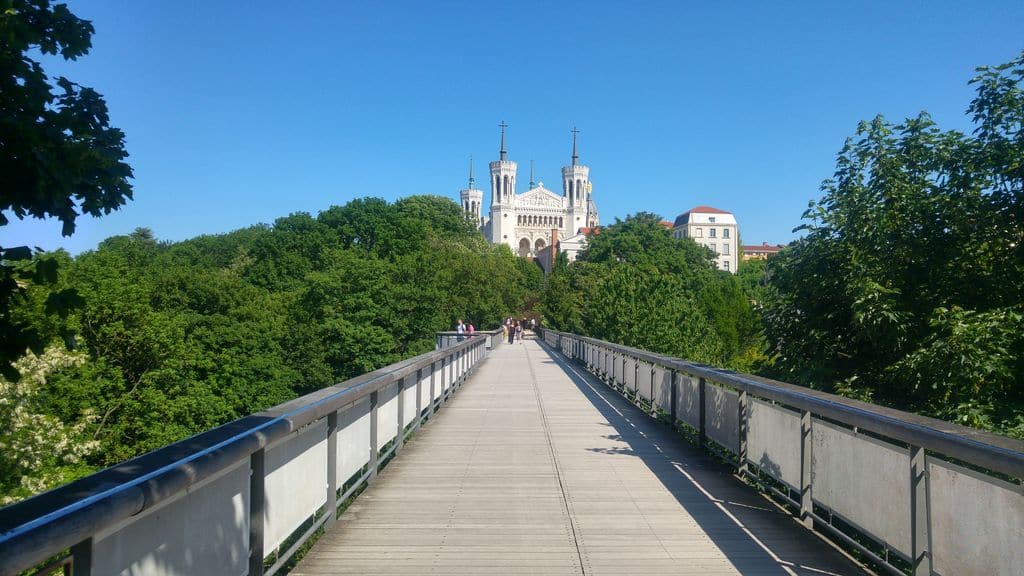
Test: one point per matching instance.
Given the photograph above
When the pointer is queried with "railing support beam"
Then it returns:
(257, 500)
(921, 554)
(374, 461)
(331, 506)
(81, 558)
(806, 447)
(702, 397)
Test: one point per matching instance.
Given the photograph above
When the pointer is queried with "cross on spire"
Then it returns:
(575, 156)
(502, 126)
(470, 171)
(531, 175)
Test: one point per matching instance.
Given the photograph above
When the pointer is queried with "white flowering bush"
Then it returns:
(38, 451)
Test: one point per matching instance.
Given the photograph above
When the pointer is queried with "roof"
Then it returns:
(764, 247)
(665, 224)
(589, 231)
(684, 218)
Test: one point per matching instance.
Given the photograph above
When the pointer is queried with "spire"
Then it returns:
(470, 172)
(531, 175)
(575, 156)
(502, 126)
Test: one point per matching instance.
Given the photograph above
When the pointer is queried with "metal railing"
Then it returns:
(451, 338)
(912, 493)
(241, 498)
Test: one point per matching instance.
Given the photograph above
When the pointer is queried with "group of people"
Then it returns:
(511, 329)
(464, 330)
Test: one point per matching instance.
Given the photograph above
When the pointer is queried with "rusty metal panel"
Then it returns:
(204, 531)
(722, 416)
(295, 485)
(977, 522)
(773, 441)
(864, 480)
(353, 439)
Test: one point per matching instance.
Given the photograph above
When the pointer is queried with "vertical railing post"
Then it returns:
(636, 382)
(654, 405)
(257, 501)
(921, 557)
(451, 377)
(374, 462)
(744, 402)
(419, 400)
(674, 397)
(702, 396)
(81, 558)
(806, 447)
(433, 388)
(331, 505)
(400, 429)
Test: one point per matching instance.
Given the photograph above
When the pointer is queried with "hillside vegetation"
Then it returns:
(170, 339)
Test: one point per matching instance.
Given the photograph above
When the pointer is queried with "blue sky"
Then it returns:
(239, 113)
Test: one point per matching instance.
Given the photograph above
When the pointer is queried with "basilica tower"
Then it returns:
(503, 194)
(576, 187)
(472, 199)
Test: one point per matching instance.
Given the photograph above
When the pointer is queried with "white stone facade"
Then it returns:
(714, 229)
(524, 222)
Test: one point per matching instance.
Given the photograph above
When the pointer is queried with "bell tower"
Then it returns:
(576, 187)
(503, 194)
(472, 199)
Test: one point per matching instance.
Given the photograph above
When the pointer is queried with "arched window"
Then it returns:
(505, 186)
(524, 247)
(560, 223)
(570, 190)
(579, 191)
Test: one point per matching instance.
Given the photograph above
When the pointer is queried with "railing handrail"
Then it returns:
(978, 447)
(43, 525)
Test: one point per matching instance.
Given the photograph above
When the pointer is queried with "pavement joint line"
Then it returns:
(554, 459)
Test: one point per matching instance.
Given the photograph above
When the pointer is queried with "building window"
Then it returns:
(711, 219)
(725, 248)
(700, 232)
(711, 232)
(726, 264)
(725, 232)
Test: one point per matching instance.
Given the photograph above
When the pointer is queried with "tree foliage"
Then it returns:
(907, 287)
(637, 285)
(59, 156)
(176, 338)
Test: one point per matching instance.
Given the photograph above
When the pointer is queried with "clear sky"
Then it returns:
(241, 112)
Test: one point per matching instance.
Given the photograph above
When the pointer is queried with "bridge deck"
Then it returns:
(536, 468)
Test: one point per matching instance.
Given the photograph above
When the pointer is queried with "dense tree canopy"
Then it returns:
(59, 156)
(908, 285)
(176, 338)
(637, 285)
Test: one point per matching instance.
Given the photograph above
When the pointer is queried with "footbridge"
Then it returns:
(555, 455)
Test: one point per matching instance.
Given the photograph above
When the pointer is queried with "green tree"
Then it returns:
(60, 157)
(911, 260)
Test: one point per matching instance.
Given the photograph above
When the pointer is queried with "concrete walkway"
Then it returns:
(536, 468)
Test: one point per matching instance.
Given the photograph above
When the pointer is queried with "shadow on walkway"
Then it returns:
(755, 536)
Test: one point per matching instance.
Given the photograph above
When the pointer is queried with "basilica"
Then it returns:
(533, 220)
